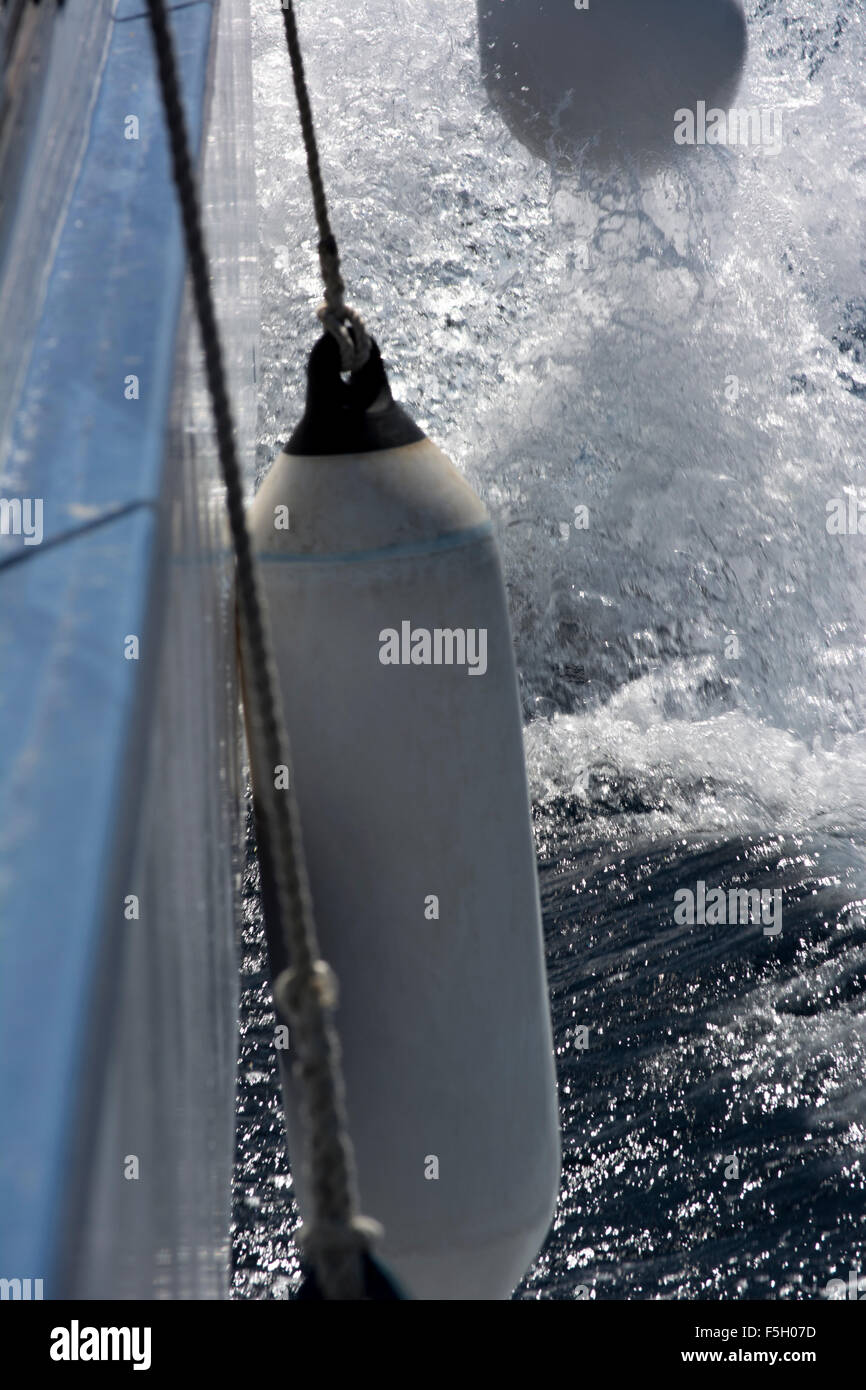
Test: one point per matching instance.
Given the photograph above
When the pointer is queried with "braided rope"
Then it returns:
(307, 992)
(336, 315)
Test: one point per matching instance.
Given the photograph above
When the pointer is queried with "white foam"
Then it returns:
(569, 340)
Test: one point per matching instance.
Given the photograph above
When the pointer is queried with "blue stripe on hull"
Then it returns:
(69, 701)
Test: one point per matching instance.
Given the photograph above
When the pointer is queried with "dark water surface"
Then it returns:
(706, 1044)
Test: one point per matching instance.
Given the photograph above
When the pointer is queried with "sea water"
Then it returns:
(658, 386)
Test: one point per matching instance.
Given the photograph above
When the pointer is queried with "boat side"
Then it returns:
(119, 825)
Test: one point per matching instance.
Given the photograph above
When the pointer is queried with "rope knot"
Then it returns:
(339, 1253)
(346, 325)
(298, 992)
(354, 1236)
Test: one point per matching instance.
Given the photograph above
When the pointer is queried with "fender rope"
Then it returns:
(339, 1238)
(336, 316)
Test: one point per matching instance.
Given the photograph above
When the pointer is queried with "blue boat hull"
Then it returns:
(119, 786)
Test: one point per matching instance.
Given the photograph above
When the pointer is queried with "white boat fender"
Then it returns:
(604, 80)
(395, 665)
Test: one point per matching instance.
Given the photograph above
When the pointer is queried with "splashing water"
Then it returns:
(657, 386)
